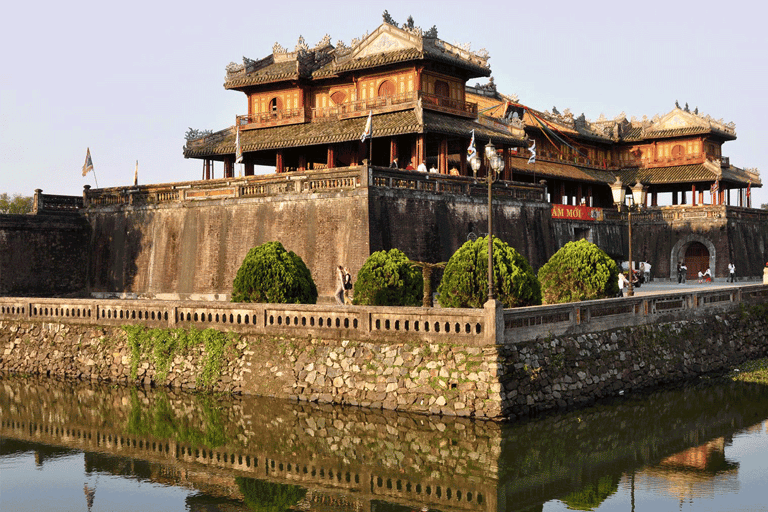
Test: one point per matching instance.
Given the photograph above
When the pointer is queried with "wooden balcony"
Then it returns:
(359, 108)
(275, 118)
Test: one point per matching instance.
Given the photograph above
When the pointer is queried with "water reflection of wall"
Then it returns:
(376, 455)
(449, 464)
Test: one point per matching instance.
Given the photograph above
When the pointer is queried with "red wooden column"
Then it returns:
(693, 195)
(248, 169)
(442, 158)
(302, 162)
(506, 174)
(229, 168)
(392, 149)
(331, 157)
(421, 150)
(279, 161)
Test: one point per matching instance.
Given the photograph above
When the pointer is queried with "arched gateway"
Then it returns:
(697, 252)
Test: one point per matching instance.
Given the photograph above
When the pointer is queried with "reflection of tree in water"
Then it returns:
(591, 496)
(159, 420)
(269, 497)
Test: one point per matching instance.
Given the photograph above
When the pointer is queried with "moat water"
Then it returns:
(78, 446)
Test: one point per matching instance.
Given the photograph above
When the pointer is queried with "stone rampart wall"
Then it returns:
(187, 240)
(191, 248)
(43, 255)
(485, 363)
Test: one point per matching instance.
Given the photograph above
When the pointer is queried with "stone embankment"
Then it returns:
(72, 351)
(503, 380)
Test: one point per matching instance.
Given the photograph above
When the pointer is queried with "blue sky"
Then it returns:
(128, 80)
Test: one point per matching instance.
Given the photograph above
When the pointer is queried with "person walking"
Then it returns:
(623, 283)
(340, 276)
(732, 272)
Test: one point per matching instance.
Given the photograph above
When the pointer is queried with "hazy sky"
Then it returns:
(128, 79)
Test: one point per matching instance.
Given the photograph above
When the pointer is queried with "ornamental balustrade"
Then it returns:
(307, 182)
(359, 108)
(474, 327)
(49, 203)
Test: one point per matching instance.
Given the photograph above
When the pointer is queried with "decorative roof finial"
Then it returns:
(388, 19)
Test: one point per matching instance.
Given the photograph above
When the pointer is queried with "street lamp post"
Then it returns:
(495, 165)
(639, 192)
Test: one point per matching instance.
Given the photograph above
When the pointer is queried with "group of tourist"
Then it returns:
(706, 276)
(421, 168)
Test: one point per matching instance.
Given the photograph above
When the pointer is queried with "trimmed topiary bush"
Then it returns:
(271, 274)
(388, 279)
(465, 279)
(578, 271)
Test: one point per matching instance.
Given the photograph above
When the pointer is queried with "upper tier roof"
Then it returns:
(387, 45)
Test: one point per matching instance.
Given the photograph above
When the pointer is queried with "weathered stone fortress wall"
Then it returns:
(187, 240)
(192, 249)
(492, 363)
(43, 255)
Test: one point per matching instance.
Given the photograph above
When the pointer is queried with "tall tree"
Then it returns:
(16, 204)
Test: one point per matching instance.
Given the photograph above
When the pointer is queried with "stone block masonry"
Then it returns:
(505, 366)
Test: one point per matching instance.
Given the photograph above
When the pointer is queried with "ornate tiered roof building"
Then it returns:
(307, 109)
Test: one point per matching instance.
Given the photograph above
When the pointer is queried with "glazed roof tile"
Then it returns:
(686, 174)
(561, 171)
(275, 72)
(335, 131)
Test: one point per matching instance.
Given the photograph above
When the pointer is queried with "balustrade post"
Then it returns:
(494, 322)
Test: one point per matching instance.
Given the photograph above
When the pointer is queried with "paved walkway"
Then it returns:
(689, 286)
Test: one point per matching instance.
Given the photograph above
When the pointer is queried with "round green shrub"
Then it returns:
(271, 274)
(465, 279)
(388, 279)
(578, 271)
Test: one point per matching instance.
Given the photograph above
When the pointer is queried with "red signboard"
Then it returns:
(564, 211)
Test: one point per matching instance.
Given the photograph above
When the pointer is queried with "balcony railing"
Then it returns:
(276, 117)
(359, 108)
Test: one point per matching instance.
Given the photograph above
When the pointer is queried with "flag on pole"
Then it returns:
(136, 174)
(532, 149)
(368, 127)
(471, 150)
(238, 148)
(749, 186)
(88, 166)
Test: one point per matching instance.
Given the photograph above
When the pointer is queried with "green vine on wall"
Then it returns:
(161, 346)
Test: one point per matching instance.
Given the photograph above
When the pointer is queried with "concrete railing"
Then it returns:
(399, 324)
(599, 315)
(306, 182)
(481, 327)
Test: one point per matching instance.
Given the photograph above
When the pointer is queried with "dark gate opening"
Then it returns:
(696, 259)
